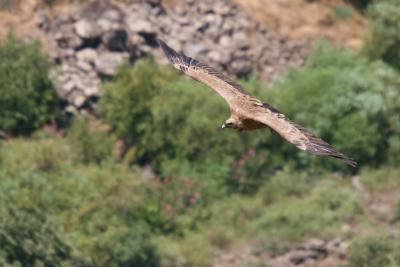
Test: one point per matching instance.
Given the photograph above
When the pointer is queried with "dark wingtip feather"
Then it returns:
(171, 54)
(317, 146)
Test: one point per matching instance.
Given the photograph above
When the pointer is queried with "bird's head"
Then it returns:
(231, 123)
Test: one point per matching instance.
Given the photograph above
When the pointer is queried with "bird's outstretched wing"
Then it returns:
(254, 110)
(222, 84)
(296, 134)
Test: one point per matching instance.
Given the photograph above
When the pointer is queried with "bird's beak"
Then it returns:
(223, 126)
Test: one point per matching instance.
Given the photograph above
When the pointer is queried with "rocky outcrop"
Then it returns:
(91, 43)
(314, 252)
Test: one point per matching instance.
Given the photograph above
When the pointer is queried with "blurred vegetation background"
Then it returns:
(149, 179)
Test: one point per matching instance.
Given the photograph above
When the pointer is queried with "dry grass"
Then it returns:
(298, 19)
(301, 19)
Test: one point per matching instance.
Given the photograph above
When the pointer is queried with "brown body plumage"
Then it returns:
(249, 113)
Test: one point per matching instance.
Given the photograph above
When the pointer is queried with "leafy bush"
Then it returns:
(49, 155)
(383, 179)
(28, 239)
(166, 122)
(28, 99)
(370, 251)
(108, 212)
(123, 246)
(342, 12)
(191, 251)
(384, 39)
(93, 144)
(397, 215)
(282, 186)
(294, 220)
(361, 3)
(172, 123)
(348, 101)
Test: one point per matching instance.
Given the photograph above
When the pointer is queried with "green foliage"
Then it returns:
(27, 99)
(191, 251)
(370, 251)
(93, 144)
(361, 3)
(342, 12)
(397, 215)
(166, 122)
(384, 40)
(293, 220)
(106, 209)
(381, 179)
(125, 247)
(28, 239)
(286, 184)
(116, 215)
(336, 92)
(188, 211)
(49, 155)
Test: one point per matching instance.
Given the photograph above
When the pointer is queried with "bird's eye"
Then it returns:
(229, 124)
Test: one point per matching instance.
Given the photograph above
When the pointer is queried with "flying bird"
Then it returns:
(249, 113)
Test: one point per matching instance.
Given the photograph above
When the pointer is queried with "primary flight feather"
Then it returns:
(249, 113)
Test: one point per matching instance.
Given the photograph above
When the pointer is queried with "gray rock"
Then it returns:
(240, 67)
(108, 62)
(42, 20)
(298, 257)
(66, 38)
(140, 26)
(241, 40)
(65, 54)
(116, 40)
(86, 29)
(105, 24)
(92, 42)
(88, 55)
(225, 41)
(221, 8)
(64, 89)
(90, 91)
(77, 98)
(219, 56)
(84, 66)
(113, 15)
(194, 48)
(71, 110)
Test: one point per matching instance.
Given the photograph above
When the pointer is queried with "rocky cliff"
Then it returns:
(90, 42)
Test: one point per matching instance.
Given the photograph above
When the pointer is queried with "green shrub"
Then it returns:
(49, 155)
(291, 221)
(397, 253)
(172, 123)
(166, 122)
(342, 12)
(397, 214)
(107, 210)
(348, 101)
(27, 97)
(286, 184)
(28, 239)
(383, 179)
(190, 251)
(370, 251)
(384, 41)
(93, 144)
(124, 247)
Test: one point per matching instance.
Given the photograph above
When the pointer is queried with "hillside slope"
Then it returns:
(311, 20)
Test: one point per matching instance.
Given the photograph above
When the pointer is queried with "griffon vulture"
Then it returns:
(249, 113)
